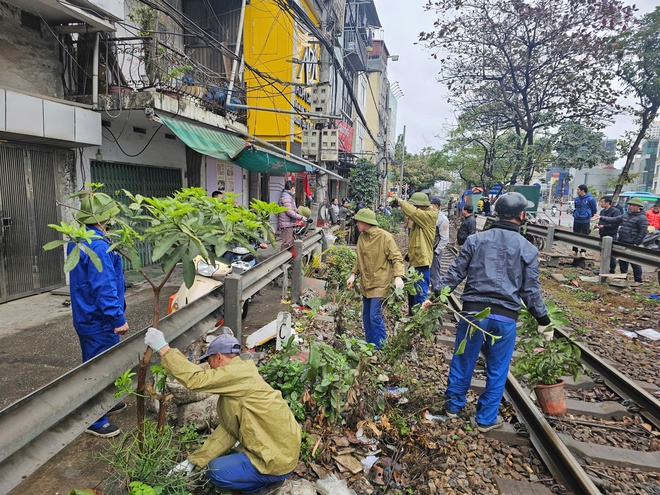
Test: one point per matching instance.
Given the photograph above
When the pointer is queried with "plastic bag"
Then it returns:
(331, 485)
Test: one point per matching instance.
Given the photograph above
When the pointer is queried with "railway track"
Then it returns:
(571, 446)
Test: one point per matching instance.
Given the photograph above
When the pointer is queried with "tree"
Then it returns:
(364, 182)
(537, 63)
(423, 170)
(179, 228)
(576, 146)
(639, 69)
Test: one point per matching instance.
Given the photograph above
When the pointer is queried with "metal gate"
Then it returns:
(147, 181)
(28, 196)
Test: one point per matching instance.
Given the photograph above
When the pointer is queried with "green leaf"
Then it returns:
(73, 259)
(93, 257)
(461, 347)
(188, 273)
(54, 244)
(164, 245)
(482, 314)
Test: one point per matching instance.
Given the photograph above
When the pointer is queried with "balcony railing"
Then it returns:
(355, 49)
(134, 64)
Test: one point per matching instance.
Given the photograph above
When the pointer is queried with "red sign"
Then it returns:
(345, 135)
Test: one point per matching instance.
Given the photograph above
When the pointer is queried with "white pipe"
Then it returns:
(234, 64)
(95, 73)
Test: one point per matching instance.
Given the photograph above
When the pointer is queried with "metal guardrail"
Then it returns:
(627, 252)
(41, 424)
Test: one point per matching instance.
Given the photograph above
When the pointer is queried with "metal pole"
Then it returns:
(233, 308)
(234, 64)
(297, 274)
(403, 156)
(95, 73)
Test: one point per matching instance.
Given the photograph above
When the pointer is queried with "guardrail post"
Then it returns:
(233, 286)
(605, 256)
(549, 238)
(297, 273)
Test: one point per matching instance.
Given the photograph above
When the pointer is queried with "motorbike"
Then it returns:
(652, 240)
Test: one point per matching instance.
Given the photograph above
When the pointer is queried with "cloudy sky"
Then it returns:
(423, 108)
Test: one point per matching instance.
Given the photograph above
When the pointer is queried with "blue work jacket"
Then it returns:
(97, 298)
(585, 208)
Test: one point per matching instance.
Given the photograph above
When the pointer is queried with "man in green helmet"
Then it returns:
(97, 297)
(420, 241)
(379, 262)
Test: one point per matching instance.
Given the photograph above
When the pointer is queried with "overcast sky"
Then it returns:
(423, 108)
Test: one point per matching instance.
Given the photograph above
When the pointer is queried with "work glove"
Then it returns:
(350, 281)
(155, 339)
(185, 467)
(426, 304)
(547, 331)
(398, 283)
(303, 218)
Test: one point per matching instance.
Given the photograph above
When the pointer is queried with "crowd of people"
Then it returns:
(499, 267)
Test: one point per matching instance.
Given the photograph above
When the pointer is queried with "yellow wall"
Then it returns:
(271, 41)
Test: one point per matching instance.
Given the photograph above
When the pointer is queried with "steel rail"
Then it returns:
(38, 426)
(624, 386)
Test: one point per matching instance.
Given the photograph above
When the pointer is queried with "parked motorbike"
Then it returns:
(652, 240)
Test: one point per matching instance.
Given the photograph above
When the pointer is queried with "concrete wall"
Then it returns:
(30, 59)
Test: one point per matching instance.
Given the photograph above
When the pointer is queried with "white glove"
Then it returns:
(350, 281)
(304, 219)
(155, 339)
(185, 467)
(426, 304)
(548, 333)
(398, 283)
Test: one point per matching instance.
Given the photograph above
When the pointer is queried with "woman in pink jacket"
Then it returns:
(286, 220)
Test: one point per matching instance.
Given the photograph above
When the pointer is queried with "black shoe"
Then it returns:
(269, 489)
(108, 430)
(118, 407)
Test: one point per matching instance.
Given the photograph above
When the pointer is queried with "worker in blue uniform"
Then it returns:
(500, 267)
(97, 297)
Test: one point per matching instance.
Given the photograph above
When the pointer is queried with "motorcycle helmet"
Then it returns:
(509, 205)
(305, 212)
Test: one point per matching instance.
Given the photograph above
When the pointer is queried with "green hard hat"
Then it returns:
(96, 208)
(636, 201)
(367, 216)
(420, 199)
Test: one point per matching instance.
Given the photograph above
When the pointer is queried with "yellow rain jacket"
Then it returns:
(422, 234)
(378, 262)
(250, 411)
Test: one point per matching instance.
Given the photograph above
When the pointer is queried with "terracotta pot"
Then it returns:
(551, 398)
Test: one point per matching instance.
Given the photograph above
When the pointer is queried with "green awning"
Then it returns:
(225, 146)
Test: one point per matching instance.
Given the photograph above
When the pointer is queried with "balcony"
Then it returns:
(132, 70)
(355, 49)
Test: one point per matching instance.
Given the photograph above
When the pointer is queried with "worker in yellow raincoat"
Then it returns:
(254, 418)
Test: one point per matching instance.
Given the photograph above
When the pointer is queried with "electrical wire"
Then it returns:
(142, 150)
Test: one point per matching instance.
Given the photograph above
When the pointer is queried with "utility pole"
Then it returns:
(403, 159)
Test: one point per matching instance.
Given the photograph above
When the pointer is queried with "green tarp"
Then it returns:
(225, 146)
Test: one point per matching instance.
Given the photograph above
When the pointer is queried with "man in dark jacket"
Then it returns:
(468, 225)
(608, 230)
(634, 227)
(585, 208)
(500, 268)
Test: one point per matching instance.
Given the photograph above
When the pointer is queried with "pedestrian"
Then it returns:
(653, 216)
(486, 206)
(286, 220)
(249, 411)
(634, 227)
(500, 268)
(334, 211)
(97, 296)
(345, 210)
(359, 202)
(450, 207)
(378, 263)
(468, 225)
(585, 209)
(218, 194)
(421, 220)
(608, 230)
(439, 243)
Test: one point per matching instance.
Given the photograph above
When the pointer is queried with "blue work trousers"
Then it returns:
(436, 272)
(422, 287)
(236, 472)
(92, 345)
(372, 320)
(498, 357)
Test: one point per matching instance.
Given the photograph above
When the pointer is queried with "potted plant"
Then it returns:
(545, 360)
